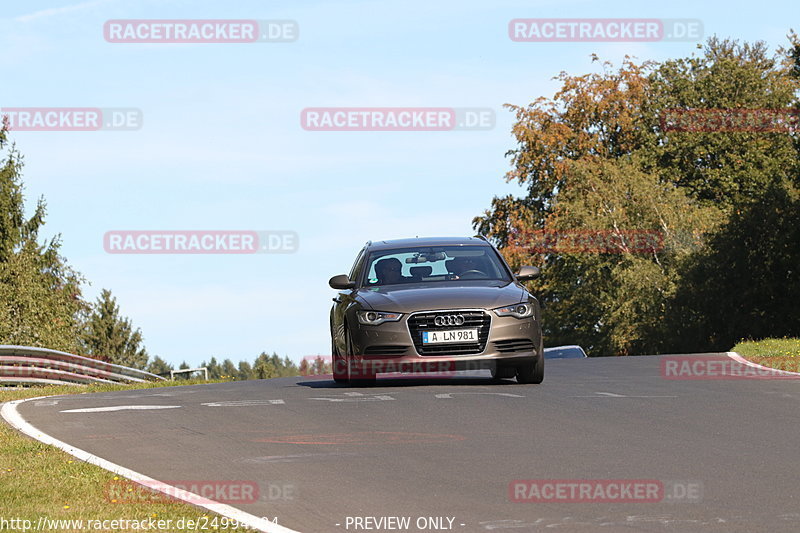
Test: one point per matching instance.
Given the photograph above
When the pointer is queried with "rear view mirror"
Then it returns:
(527, 273)
(341, 282)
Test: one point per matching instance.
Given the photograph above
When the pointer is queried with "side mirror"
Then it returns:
(527, 273)
(341, 282)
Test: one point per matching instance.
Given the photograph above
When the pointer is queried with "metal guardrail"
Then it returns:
(24, 365)
(202, 369)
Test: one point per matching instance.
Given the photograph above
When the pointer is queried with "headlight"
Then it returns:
(374, 318)
(516, 310)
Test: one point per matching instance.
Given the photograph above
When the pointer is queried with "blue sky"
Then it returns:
(221, 146)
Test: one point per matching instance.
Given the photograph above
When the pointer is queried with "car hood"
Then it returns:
(447, 295)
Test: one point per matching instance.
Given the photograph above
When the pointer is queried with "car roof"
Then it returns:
(427, 241)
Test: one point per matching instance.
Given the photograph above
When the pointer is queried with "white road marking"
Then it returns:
(510, 524)
(614, 395)
(120, 408)
(449, 395)
(353, 394)
(362, 398)
(307, 457)
(244, 403)
(43, 403)
(739, 359)
(9, 412)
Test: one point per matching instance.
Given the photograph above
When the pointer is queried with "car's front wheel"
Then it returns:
(531, 372)
(339, 365)
(356, 373)
(501, 371)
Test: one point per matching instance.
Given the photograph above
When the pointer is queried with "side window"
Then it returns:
(355, 272)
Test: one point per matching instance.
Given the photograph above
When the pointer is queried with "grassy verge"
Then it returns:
(38, 480)
(783, 354)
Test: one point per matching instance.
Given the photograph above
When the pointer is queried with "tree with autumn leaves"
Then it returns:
(596, 157)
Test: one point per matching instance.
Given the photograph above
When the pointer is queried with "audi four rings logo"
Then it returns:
(449, 320)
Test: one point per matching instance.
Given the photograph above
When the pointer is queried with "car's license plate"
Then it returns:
(450, 335)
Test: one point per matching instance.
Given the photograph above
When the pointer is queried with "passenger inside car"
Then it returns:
(417, 273)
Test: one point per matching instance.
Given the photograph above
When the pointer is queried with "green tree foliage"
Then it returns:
(228, 369)
(263, 368)
(183, 375)
(214, 370)
(724, 168)
(746, 283)
(110, 337)
(40, 296)
(595, 157)
(159, 366)
(245, 371)
(273, 366)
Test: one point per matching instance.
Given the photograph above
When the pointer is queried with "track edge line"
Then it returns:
(9, 412)
(739, 359)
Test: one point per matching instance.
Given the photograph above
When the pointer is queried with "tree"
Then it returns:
(40, 296)
(264, 368)
(596, 158)
(758, 295)
(213, 368)
(732, 168)
(109, 337)
(183, 375)
(245, 371)
(320, 367)
(228, 369)
(159, 367)
(619, 291)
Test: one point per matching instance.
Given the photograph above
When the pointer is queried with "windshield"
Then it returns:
(433, 264)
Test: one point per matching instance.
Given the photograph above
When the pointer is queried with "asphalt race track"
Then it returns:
(444, 452)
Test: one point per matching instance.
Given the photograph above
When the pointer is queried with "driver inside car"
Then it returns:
(389, 271)
(458, 265)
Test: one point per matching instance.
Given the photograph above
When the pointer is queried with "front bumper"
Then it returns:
(390, 346)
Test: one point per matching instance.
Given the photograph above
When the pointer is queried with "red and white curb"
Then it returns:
(739, 359)
(11, 415)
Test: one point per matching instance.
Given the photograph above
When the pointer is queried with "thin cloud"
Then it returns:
(55, 11)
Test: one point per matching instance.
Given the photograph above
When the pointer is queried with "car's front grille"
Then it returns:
(419, 322)
(385, 350)
(514, 345)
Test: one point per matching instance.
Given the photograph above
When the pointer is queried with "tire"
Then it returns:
(363, 380)
(339, 365)
(501, 371)
(531, 372)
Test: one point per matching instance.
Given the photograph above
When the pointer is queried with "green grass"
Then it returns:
(38, 480)
(783, 354)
